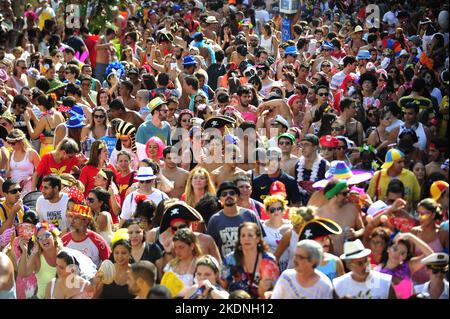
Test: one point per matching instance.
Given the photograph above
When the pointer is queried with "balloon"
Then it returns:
(443, 20)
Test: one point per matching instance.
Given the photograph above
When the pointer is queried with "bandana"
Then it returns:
(340, 185)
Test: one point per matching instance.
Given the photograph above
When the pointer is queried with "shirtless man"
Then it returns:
(339, 209)
(288, 161)
(7, 286)
(230, 170)
(174, 173)
(125, 89)
(353, 128)
(214, 157)
(435, 157)
(105, 52)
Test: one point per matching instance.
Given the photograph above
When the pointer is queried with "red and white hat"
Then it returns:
(278, 188)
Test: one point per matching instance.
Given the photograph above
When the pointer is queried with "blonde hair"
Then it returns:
(270, 200)
(189, 191)
(301, 215)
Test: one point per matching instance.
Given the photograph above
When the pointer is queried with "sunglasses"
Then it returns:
(345, 193)
(15, 191)
(46, 235)
(340, 148)
(370, 114)
(322, 94)
(326, 65)
(273, 210)
(90, 199)
(12, 143)
(145, 182)
(96, 116)
(438, 269)
(229, 193)
(176, 228)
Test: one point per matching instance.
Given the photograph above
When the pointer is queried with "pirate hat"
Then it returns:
(218, 122)
(178, 210)
(319, 227)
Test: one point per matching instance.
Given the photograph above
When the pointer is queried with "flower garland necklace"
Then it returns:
(314, 171)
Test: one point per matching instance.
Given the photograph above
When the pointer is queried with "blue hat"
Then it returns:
(290, 50)
(75, 122)
(327, 45)
(363, 55)
(189, 60)
(176, 7)
(76, 110)
(151, 12)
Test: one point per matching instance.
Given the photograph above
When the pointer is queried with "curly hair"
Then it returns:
(270, 200)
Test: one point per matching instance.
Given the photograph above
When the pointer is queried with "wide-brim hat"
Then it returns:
(340, 170)
(377, 208)
(358, 28)
(75, 121)
(354, 250)
(178, 210)
(319, 227)
(76, 110)
(218, 121)
(56, 85)
(392, 156)
(227, 185)
(145, 174)
(211, 20)
(189, 60)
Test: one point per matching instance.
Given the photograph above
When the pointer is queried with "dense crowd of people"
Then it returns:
(204, 150)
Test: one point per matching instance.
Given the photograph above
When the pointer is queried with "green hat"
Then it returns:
(55, 85)
(157, 101)
(287, 135)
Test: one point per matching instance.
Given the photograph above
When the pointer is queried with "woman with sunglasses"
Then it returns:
(98, 159)
(18, 79)
(140, 249)
(98, 200)
(379, 138)
(429, 212)
(97, 129)
(275, 227)
(206, 286)
(186, 251)
(184, 124)
(400, 263)
(23, 160)
(42, 259)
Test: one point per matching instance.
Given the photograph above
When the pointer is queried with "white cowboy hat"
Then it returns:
(211, 20)
(145, 174)
(354, 250)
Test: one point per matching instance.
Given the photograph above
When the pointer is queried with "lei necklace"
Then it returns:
(314, 171)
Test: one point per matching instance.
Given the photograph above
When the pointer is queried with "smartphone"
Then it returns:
(173, 66)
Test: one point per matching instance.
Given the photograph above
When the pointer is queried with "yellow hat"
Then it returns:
(437, 188)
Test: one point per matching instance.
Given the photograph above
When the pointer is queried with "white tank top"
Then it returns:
(376, 286)
(273, 237)
(292, 246)
(21, 170)
(267, 44)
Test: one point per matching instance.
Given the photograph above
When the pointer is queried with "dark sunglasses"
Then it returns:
(322, 94)
(272, 210)
(90, 199)
(438, 269)
(176, 228)
(99, 116)
(15, 190)
(145, 182)
(345, 193)
(229, 193)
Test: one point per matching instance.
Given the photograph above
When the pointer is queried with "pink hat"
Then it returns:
(292, 99)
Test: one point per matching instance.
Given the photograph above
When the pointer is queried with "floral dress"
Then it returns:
(238, 279)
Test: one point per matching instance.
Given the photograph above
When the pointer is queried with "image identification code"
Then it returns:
(226, 309)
